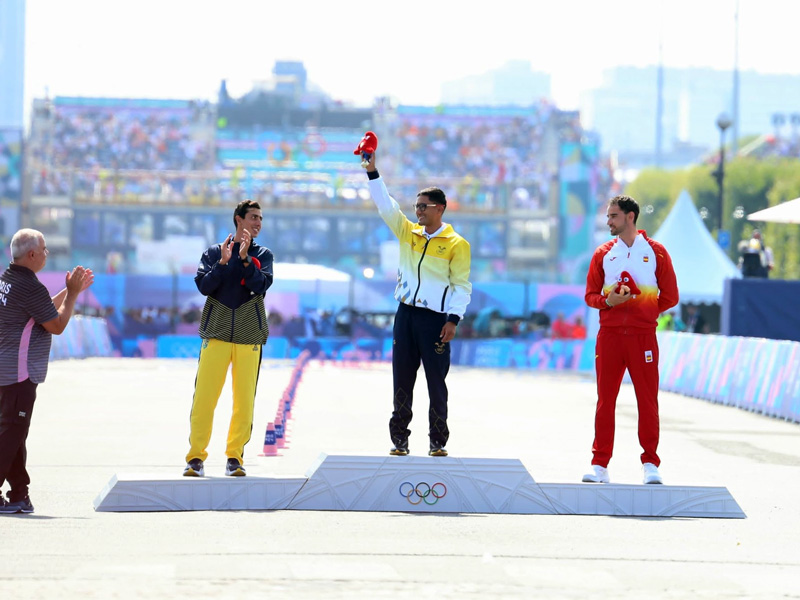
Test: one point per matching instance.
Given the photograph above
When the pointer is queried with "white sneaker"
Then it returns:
(598, 475)
(651, 474)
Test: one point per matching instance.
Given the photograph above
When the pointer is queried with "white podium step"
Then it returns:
(414, 484)
(147, 493)
(642, 500)
(421, 484)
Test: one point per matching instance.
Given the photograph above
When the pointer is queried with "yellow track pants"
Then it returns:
(212, 369)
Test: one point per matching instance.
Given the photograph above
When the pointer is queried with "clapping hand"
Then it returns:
(75, 280)
(244, 246)
(88, 279)
(227, 250)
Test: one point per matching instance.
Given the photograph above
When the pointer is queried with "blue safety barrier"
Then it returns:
(750, 373)
(83, 337)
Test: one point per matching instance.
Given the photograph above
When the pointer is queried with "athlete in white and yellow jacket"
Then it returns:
(433, 290)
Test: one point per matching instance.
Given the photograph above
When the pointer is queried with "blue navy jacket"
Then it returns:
(234, 308)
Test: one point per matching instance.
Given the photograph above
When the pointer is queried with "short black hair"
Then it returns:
(434, 194)
(626, 205)
(242, 208)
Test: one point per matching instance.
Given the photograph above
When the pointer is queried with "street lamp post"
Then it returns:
(723, 122)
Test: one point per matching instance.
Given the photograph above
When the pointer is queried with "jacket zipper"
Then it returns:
(627, 308)
(419, 272)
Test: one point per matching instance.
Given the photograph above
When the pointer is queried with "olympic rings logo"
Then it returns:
(422, 492)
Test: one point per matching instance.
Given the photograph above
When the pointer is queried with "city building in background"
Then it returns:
(12, 62)
(623, 110)
(513, 84)
(291, 78)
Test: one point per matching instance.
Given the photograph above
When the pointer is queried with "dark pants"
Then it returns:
(416, 338)
(16, 408)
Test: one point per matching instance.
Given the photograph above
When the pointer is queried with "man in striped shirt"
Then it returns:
(28, 318)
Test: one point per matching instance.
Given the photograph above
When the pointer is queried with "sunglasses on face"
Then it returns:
(422, 207)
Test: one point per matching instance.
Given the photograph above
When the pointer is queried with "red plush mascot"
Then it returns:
(367, 145)
(626, 280)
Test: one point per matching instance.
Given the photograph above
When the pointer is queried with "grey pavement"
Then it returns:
(98, 417)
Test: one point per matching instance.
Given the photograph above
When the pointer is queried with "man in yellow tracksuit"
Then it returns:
(433, 290)
(234, 276)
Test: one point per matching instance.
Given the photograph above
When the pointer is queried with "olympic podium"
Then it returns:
(421, 484)
(414, 484)
(153, 493)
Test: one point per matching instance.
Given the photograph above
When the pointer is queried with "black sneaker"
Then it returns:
(20, 506)
(234, 468)
(400, 448)
(194, 468)
(437, 449)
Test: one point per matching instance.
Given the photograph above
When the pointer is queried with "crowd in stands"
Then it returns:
(695, 321)
(10, 164)
(167, 155)
(73, 144)
(670, 321)
(159, 139)
(48, 181)
(476, 156)
(492, 324)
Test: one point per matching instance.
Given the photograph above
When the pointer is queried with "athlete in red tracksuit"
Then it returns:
(627, 336)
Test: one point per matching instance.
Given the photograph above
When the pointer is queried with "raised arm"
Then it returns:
(388, 208)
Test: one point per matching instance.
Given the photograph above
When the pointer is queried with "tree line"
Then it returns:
(750, 185)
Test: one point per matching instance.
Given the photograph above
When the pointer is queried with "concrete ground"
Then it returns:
(98, 417)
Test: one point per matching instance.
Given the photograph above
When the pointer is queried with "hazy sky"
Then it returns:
(357, 50)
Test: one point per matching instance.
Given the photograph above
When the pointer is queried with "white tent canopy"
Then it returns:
(786, 212)
(700, 264)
